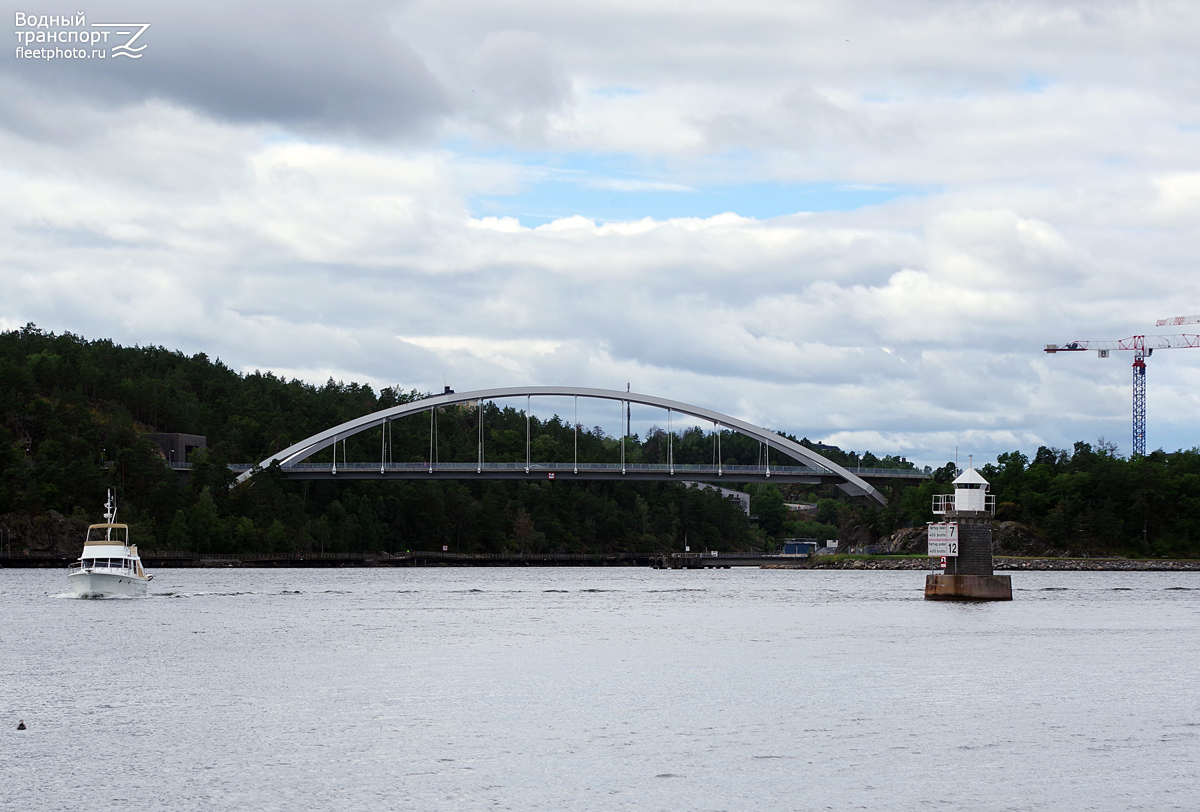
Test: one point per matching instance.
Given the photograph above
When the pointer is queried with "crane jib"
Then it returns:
(1142, 347)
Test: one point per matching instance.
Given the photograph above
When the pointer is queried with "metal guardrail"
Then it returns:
(596, 466)
(77, 567)
(187, 555)
(943, 502)
(544, 467)
(719, 555)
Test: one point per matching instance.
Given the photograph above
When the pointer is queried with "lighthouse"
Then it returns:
(965, 540)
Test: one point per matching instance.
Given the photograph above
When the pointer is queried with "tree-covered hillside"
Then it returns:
(74, 414)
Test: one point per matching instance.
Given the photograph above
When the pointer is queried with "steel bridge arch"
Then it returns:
(851, 484)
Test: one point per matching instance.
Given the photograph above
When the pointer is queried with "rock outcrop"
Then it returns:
(1008, 538)
(48, 534)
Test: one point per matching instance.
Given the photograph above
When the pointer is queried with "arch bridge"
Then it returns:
(813, 469)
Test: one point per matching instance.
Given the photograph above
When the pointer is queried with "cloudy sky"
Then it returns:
(856, 221)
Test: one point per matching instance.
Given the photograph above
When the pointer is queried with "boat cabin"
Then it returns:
(107, 548)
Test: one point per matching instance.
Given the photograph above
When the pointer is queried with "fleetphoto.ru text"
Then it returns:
(53, 36)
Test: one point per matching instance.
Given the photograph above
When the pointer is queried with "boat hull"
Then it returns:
(107, 585)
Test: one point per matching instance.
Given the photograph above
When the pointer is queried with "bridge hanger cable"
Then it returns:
(670, 444)
(293, 456)
(625, 430)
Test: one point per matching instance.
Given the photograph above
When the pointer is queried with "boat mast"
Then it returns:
(110, 515)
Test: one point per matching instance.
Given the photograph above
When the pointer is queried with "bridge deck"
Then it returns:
(584, 471)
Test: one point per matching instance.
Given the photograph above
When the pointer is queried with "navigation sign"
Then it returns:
(943, 539)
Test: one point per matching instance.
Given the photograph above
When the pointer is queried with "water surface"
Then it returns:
(597, 689)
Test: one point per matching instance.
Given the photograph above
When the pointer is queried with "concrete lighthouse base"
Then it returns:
(968, 588)
(968, 576)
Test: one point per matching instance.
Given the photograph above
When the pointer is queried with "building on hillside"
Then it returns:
(175, 448)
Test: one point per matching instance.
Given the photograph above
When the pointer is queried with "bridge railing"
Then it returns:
(719, 555)
(592, 466)
(678, 468)
(182, 555)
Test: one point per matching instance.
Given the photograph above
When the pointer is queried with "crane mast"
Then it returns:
(1141, 349)
(1139, 405)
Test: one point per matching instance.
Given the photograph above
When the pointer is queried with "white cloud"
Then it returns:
(328, 233)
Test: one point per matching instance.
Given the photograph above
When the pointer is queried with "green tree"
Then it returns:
(767, 504)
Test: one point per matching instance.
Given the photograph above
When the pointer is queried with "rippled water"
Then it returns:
(597, 689)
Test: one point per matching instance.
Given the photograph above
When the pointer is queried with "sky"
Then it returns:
(858, 222)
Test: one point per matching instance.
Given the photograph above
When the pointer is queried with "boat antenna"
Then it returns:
(110, 515)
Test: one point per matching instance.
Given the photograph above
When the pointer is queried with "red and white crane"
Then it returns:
(1142, 348)
(1177, 320)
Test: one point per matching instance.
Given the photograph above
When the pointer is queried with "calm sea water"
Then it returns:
(599, 689)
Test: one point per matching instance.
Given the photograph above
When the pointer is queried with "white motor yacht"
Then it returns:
(109, 566)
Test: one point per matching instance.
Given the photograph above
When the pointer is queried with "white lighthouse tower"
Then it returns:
(965, 539)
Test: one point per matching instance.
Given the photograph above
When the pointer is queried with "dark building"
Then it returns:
(176, 447)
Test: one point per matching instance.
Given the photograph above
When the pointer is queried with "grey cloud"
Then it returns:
(151, 202)
(306, 66)
(516, 81)
(800, 119)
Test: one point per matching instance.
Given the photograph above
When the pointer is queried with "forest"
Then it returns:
(74, 414)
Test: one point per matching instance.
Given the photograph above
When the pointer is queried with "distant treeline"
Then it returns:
(1085, 501)
(74, 412)
(74, 415)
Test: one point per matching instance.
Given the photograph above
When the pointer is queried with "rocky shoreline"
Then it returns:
(1007, 564)
(1002, 563)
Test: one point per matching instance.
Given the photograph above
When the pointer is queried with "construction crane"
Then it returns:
(1142, 348)
(1177, 321)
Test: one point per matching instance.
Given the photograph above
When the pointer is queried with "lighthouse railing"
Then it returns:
(944, 502)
